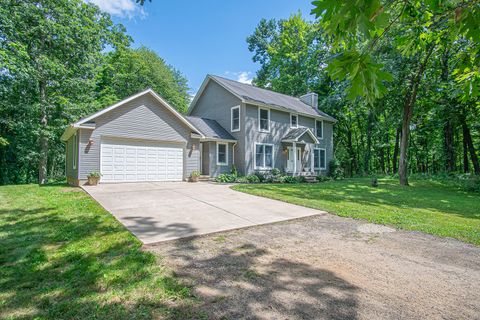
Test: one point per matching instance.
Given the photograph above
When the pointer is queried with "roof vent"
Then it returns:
(311, 99)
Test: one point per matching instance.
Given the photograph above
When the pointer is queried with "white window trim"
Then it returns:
(255, 156)
(319, 160)
(259, 122)
(321, 138)
(226, 155)
(291, 115)
(75, 150)
(231, 119)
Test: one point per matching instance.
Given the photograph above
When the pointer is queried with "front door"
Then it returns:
(290, 159)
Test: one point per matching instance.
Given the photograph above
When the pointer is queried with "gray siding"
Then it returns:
(214, 169)
(279, 126)
(142, 119)
(216, 103)
(70, 146)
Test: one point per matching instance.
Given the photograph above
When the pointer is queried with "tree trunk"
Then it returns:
(448, 127)
(449, 145)
(368, 149)
(410, 98)
(465, 153)
(43, 139)
(467, 137)
(396, 150)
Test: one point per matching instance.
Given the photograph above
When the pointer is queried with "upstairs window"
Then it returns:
(293, 121)
(235, 115)
(222, 154)
(264, 120)
(319, 129)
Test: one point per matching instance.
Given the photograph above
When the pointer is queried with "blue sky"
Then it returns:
(201, 37)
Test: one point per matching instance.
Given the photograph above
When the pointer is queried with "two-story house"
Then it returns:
(143, 138)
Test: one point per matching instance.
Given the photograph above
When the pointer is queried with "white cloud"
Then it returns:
(119, 8)
(242, 76)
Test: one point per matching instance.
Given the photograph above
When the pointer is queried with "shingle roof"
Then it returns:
(254, 94)
(210, 128)
(295, 134)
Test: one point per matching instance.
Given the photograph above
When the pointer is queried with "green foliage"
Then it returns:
(95, 174)
(433, 206)
(195, 174)
(335, 171)
(248, 179)
(226, 178)
(356, 28)
(289, 52)
(127, 71)
(59, 61)
(49, 54)
(234, 170)
(291, 179)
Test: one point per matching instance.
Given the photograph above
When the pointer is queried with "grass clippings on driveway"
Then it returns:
(426, 206)
(62, 256)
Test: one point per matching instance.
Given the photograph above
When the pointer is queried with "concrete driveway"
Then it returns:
(156, 211)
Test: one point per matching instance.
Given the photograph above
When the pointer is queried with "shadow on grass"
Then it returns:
(73, 260)
(244, 283)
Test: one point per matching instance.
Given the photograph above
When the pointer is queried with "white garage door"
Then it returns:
(129, 161)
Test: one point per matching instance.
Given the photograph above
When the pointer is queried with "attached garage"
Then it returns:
(133, 161)
(141, 138)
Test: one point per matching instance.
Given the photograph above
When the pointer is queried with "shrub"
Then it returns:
(252, 178)
(95, 174)
(276, 172)
(290, 179)
(335, 169)
(473, 185)
(323, 178)
(261, 175)
(195, 174)
(234, 171)
(226, 178)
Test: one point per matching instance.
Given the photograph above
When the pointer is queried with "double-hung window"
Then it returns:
(263, 119)
(235, 116)
(319, 129)
(319, 158)
(263, 156)
(222, 154)
(293, 121)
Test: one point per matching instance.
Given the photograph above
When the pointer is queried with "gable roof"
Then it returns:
(263, 97)
(295, 134)
(86, 122)
(210, 128)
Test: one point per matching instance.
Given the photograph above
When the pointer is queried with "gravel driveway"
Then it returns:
(328, 267)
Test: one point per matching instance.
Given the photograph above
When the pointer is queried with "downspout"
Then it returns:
(233, 154)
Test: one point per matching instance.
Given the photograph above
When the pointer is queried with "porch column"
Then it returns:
(312, 160)
(294, 158)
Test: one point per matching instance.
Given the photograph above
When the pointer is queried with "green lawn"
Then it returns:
(64, 257)
(427, 206)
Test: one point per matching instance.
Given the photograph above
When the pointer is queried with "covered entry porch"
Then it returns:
(299, 147)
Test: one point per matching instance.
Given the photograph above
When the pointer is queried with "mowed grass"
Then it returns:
(62, 256)
(428, 206)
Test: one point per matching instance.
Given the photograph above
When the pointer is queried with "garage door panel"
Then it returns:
(124, 160)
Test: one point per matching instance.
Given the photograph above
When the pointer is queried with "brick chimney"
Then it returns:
(311, 99)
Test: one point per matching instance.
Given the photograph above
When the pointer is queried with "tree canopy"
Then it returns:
(297, 56)
(61, 60)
